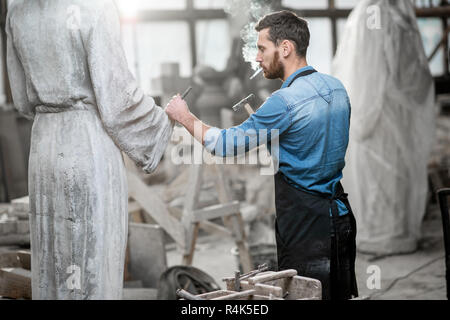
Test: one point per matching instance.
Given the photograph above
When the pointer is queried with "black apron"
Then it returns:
(310, 241)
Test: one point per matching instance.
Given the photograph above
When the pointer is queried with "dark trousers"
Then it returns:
(343, 255)
(306, 243)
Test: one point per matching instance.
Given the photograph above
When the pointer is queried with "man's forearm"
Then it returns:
(195, 127)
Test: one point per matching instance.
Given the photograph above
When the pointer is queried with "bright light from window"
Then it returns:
(128, 8)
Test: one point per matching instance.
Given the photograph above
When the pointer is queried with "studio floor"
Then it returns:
(414, 276)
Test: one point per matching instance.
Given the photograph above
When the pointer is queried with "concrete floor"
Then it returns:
(416, 276)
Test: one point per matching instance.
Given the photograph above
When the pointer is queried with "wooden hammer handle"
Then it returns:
(273, 276)
(249, 109)
(186, 295)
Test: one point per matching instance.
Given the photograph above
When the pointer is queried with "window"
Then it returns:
(149, 44)
(213, 43)
(320, 51)
(305, 4)
(346, 4)
(209, 4)
(136, 5)
(431, 32)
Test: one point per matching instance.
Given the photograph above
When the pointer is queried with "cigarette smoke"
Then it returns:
(256, 10)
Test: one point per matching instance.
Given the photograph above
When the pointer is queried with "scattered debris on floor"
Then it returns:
(262, 285)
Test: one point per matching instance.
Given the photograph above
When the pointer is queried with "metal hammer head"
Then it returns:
(241, 103)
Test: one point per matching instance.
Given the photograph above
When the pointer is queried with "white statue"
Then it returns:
(382, 63)
(68, 71)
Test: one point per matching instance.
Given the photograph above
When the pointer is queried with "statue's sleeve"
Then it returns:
(16, 76)
(137, 125)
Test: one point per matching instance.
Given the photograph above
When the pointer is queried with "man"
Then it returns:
(68, 71)
(315, 227)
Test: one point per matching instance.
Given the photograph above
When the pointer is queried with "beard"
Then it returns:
(275, 69)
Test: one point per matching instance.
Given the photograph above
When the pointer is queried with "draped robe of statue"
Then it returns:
(382, 63)
(68, 72)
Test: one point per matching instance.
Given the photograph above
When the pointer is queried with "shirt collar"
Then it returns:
(292, 76)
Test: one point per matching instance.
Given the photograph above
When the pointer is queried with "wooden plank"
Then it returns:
(208, 226)
(134, 206)
(126, 273)
(237, 295)
(187, 220)
(216, 211)
(187, 295)
(15, 283)
(193, 191)
(24, 257)
(263, 289)
(153, 206)
(299, 287)
(233, 222)
(272, 276)
(18, 210)
(189, 249)
(137, 217)
(259, 297)
(9, 260)
(15, 239)
(165, 15)
(214, 228)
(215, 294)
(175, 188)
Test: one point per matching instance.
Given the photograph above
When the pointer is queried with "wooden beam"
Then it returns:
(263, 289)
(237, 295)
(233, 222)
(191, 201)
(299, 288)
(6, 85)
(177, 15)
(324, 13)
(24, 257)
(151, 202)
(435, 12)
(192, 33)
(15, 283)
(9, 260)
(331, 6)
(216, 211)
(273, 276)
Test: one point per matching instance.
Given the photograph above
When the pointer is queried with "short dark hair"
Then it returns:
(286, 25)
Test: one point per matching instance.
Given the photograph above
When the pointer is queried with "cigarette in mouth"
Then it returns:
(256, 73)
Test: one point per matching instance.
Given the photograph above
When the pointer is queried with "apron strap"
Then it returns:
(302, 74)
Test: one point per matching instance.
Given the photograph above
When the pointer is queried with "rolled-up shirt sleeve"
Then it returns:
(211, 137)
(266, 124)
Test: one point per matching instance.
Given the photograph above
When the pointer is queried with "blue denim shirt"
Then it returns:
(312, 116)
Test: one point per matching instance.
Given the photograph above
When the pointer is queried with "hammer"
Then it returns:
(244, 103)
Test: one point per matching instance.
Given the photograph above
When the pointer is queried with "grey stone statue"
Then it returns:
(68, 72)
